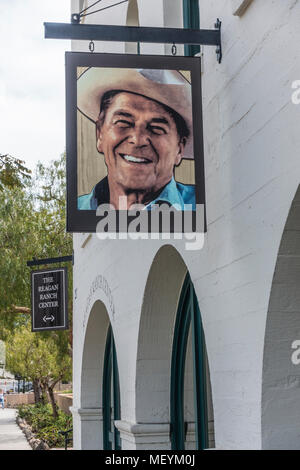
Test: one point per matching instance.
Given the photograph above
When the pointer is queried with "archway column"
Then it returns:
(144, 436)
(87, 407)
(88, 426)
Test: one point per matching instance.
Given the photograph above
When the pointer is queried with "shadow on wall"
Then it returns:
(281, 378)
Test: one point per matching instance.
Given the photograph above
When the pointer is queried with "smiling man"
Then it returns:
(143, 127)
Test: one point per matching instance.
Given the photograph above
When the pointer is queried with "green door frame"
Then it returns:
(188, 316)
(191, 19)
(110, 395)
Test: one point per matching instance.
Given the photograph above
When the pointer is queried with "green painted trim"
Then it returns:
(191, 19)
(199, 376)
(180, 339)
(106, 392)
(188, 315)
(110, 372)
(116, 395)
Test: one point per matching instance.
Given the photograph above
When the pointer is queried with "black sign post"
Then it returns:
(49, 299)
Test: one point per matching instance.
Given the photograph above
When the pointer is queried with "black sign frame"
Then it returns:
(86, 220)
(64, 324)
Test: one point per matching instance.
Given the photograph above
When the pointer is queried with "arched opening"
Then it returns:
(111, 395)
(132, 19)
(156, 335)
(90, 411)
(156, 338)
(281, 377)
(190, 396)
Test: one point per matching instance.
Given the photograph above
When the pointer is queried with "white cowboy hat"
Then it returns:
(168, 87)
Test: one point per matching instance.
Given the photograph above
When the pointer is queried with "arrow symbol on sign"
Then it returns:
(48, 318)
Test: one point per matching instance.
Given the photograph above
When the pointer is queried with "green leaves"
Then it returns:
(39, 356)
(45, 427)
(13, 173)
(32, 225)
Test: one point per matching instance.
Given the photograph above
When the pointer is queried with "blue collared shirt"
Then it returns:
(174, 193)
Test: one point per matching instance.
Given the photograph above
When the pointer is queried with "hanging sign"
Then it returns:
(134, 144)
(49, 299)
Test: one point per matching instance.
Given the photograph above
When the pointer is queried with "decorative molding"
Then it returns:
(240, 6)
(144, 433)
(88, 414)
(99, 283)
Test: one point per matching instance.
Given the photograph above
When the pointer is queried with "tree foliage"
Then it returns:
(12, 172)
(32, 226)
(32, 216)
(42, 358)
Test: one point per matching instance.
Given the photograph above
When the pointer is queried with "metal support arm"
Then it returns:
(60, 259)
(93, 32)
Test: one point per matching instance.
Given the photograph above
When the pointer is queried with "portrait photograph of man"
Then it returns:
(134, 138)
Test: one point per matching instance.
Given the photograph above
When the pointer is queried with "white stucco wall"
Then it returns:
(254, 164)
(252, 173)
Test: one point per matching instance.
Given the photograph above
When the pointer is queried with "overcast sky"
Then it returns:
(32, 80)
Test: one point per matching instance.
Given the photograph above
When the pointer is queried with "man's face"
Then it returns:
(140, 143)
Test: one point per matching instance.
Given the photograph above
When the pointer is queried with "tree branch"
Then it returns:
(21, 309)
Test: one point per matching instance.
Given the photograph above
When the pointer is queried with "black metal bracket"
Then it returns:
(94, 32)
(75, 18)
(218, 25)
(60, 259)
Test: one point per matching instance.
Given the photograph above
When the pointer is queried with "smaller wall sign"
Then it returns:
(49, 299)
